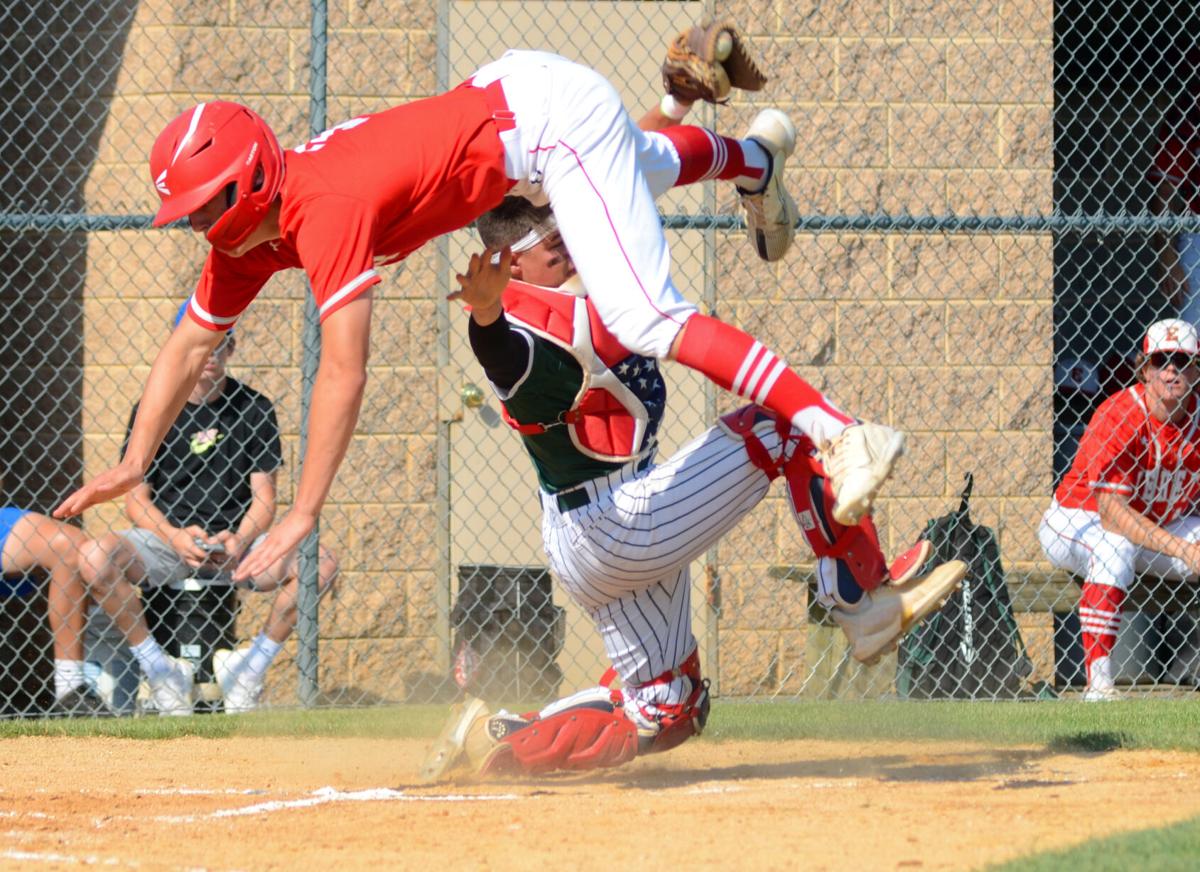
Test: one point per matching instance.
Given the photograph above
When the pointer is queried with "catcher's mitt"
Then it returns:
(698, 68)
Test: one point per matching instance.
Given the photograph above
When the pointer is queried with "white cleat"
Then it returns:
(876, 624)
(1100, 684)
(449, 751)
(240, 690)
(858, 461)
(771, 213)
(172, 692)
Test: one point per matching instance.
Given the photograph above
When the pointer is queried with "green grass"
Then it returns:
(1167, 849)
(1061, 725)
(1075, 726)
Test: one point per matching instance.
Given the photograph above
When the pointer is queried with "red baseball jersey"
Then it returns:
(1126, 451)
(1178, 157)
(367, 192)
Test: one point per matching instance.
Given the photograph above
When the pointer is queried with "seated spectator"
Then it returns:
(33, 544)
(207, 501)
(1126, 507)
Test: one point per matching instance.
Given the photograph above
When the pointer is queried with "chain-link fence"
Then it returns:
(996, 200)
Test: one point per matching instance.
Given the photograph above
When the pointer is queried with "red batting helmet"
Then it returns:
(208, 148)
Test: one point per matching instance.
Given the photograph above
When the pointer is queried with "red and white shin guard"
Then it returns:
(599, 727)
(811, 498)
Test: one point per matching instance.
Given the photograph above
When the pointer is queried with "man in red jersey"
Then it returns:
(374, 189)
(1125, 507)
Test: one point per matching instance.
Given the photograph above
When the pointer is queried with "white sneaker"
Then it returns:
(172, 692)
(240, 689)
(876, 624)
(771, 213)
(1101, 693)
(858, 461)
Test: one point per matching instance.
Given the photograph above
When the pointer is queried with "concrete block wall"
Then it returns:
(920, 107)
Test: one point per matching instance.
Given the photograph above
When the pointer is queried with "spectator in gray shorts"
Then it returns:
(206, 501)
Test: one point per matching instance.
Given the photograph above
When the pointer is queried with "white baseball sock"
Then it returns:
(68, 675)
(151, 657)
(262, 653)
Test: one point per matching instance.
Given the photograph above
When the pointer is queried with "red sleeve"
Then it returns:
(336, 244)
(228, 285)
(1110, 448)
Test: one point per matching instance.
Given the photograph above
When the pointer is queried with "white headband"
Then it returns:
(532, 238)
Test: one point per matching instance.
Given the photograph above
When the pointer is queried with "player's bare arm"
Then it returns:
(172, 377)
(258, 517)
(1117, 516)
(336, 400)
(483, 284)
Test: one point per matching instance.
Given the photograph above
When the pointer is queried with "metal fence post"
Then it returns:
(307, 628)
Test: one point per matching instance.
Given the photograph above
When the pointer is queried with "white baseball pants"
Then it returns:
(574, 144)
(624, 557)
(1074, 540)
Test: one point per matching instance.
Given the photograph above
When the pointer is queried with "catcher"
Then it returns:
(620, 531)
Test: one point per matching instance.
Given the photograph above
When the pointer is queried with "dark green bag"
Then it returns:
(971, 648)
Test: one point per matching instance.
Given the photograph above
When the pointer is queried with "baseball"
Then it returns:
(724, 45)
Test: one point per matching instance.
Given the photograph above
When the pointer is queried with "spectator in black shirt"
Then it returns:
(206, 501)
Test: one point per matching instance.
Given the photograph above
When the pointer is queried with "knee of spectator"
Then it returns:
(66, 545)
(98, 560)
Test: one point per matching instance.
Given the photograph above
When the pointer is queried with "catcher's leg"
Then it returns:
(670, 708)
(810, 495)
(588, 730)
(851, 569)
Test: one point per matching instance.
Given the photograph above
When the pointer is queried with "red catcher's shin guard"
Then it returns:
(738, 362)
(575, 739)
(811, 498)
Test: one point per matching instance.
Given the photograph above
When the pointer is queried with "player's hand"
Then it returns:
(234, 545)
(1190, 554)
(483, 284)
(281, 542)
(183, 543)
(118, 481)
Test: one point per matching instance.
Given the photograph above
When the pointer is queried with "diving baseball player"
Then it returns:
(377, 187)
(620, 530)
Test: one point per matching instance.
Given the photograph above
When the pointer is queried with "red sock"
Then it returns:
(740, 363)
(1099, 621)
(705, 155)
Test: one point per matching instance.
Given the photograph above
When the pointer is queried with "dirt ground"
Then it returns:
(354, 804)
